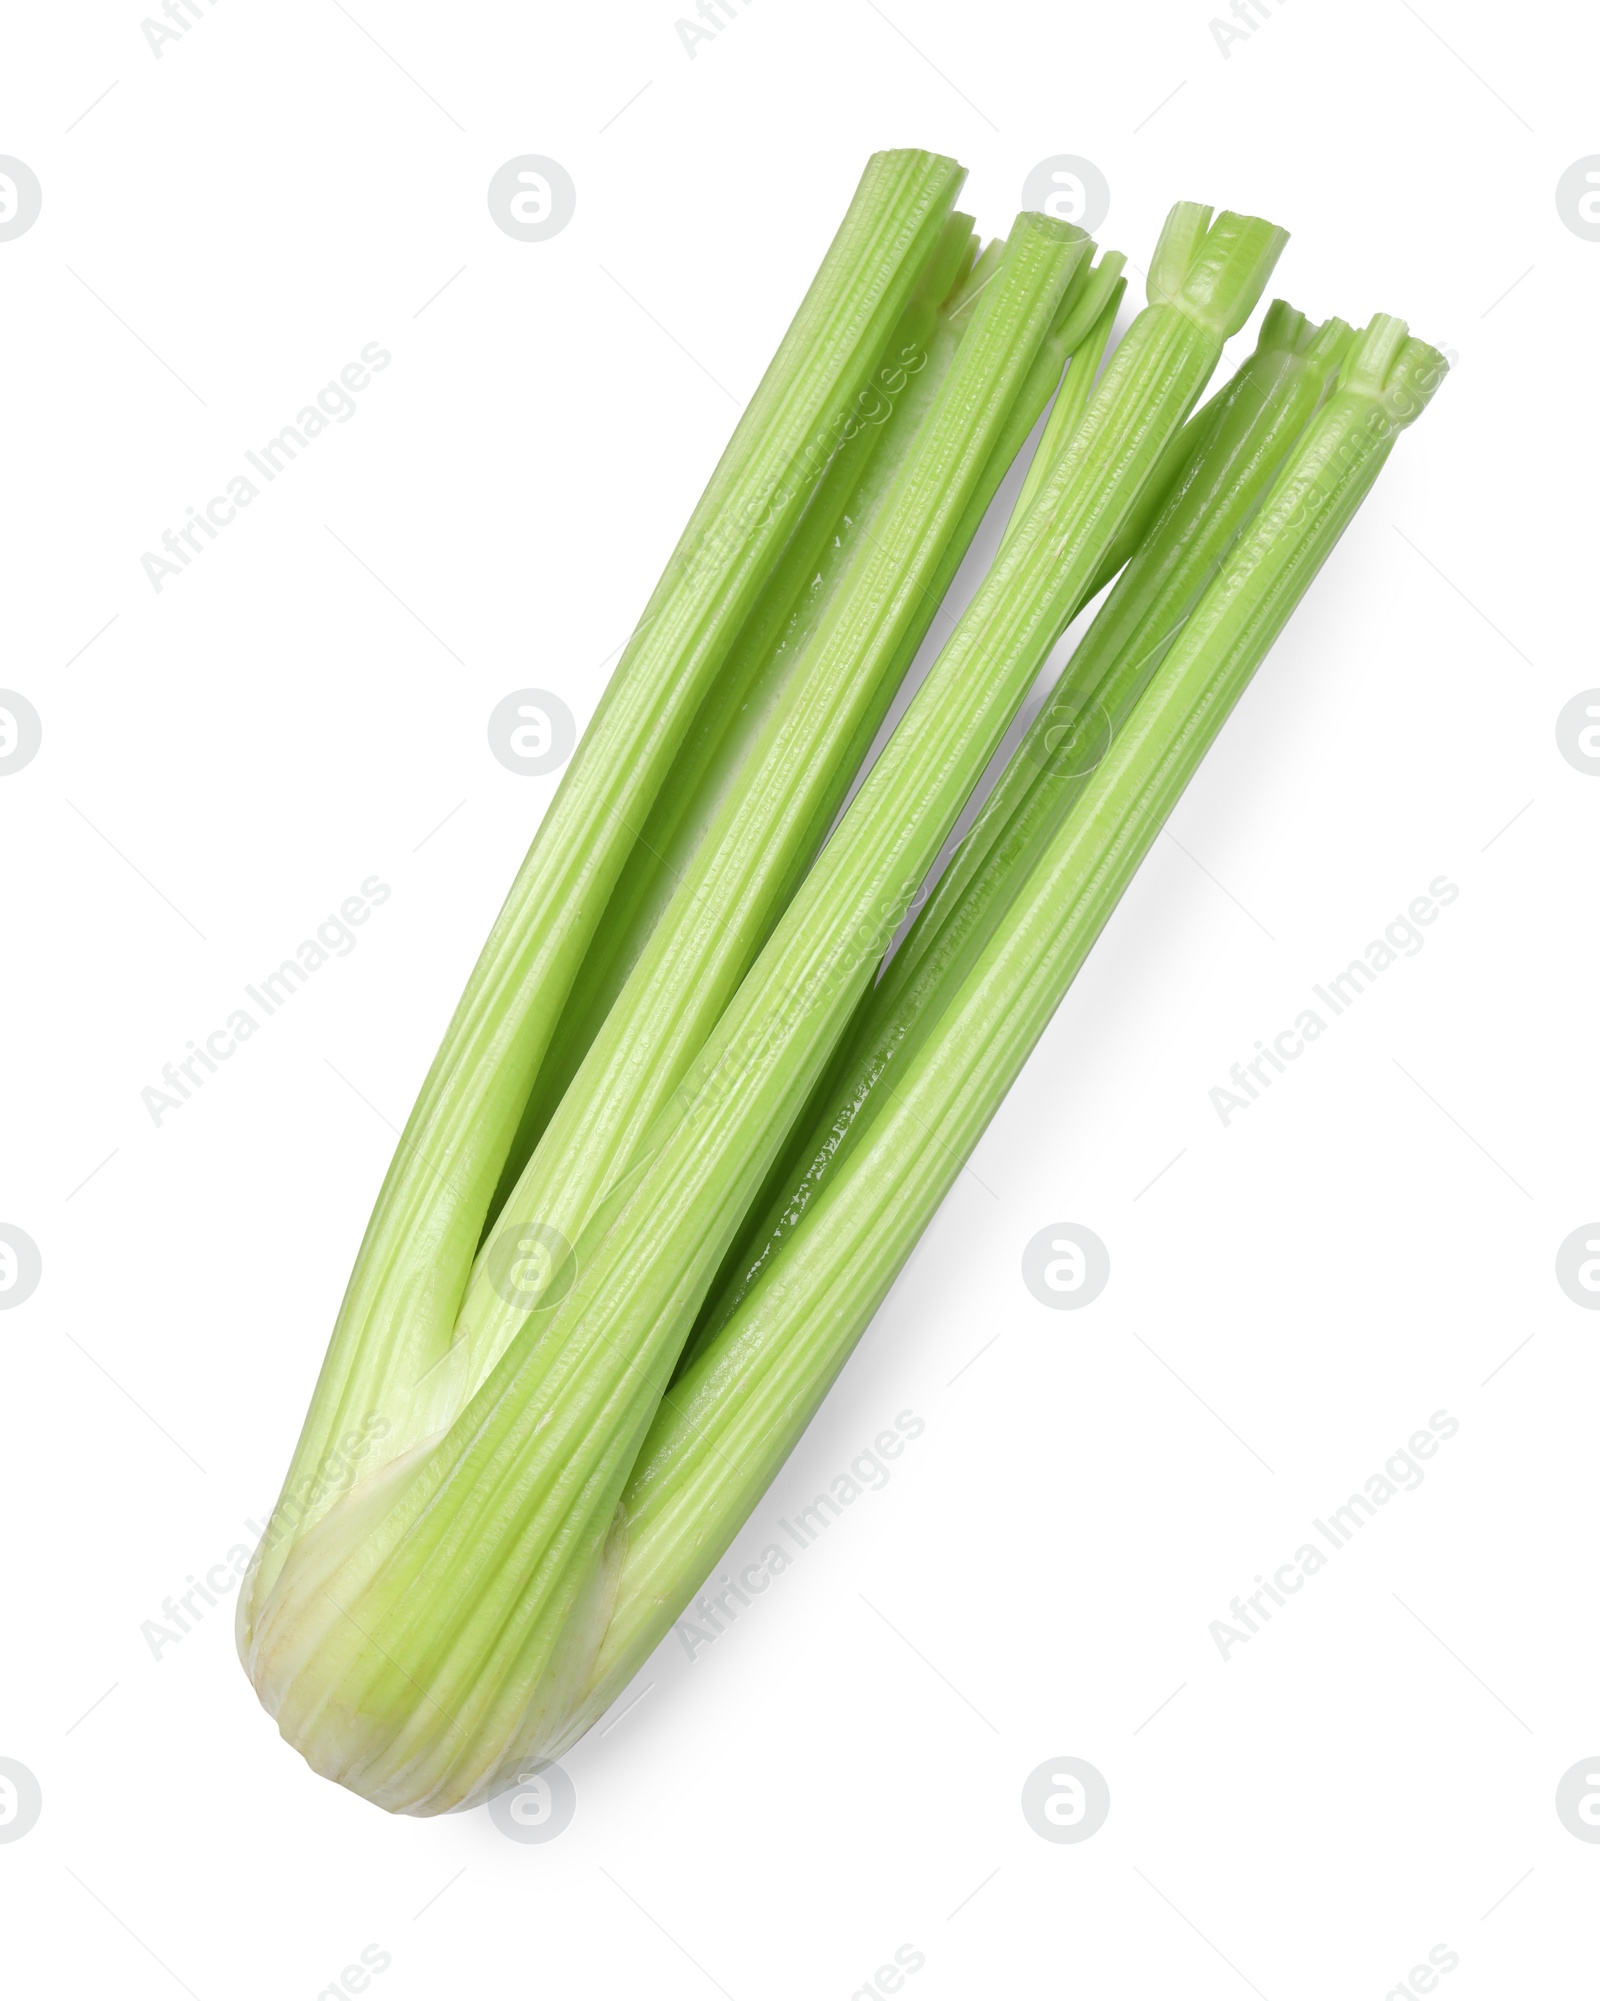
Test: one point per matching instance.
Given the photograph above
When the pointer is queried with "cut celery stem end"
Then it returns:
(731, 1421)
(1282, 326)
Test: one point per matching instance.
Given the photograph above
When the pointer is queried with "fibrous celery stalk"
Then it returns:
(677, 1144)
(1255, 420)
(397, 1320)
(432, 1631)
(731, 1420)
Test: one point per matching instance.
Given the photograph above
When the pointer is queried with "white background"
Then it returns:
(223, 763)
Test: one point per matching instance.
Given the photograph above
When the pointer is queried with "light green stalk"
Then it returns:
(427, 1637)
(1097, 310)
(399, 1311)
(1257, 417)
(1235, 448)
(843, 511)
(717, 759)
(727, 1426)
(1076, 331)
(765, 828)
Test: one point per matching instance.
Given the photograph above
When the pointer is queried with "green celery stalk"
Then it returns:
(726, 1427)
(707, 776)
(1232, 455)
(1090, 331)
(982, 269)
(428, 1635)
(1157, 489)
(875, 441)
(764, 830)
(1075, 331)
(717, 759)
(1153, 495)
(398, 1315)
(1258, 415)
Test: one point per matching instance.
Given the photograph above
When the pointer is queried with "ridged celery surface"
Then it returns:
(677, 1143)
(1097, 313)
(398, 1317)
(725, 899)
(1255, 419)
(874, 440)
(733, 1417)
(432, 1631)
(1079, 325)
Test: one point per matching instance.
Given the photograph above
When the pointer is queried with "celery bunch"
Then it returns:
(685, 1126)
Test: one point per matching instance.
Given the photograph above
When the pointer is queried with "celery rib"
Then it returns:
(400, 1305)
(727, 1426)
(877, 437)
(1256, 418)
(723, 907)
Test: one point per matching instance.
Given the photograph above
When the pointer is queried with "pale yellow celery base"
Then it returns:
(296, 1644)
